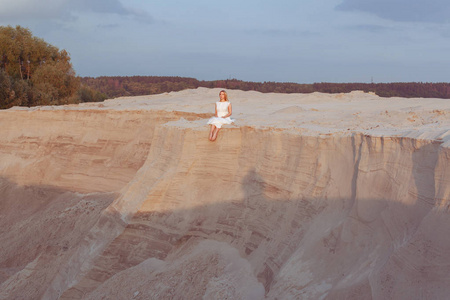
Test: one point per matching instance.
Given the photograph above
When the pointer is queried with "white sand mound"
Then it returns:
(306, 196)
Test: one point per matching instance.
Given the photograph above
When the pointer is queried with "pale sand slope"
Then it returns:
(306, 196)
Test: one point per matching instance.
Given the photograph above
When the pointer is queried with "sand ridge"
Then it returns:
(306, 196)
(316, 112)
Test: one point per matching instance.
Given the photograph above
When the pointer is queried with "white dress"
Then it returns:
(222, 110)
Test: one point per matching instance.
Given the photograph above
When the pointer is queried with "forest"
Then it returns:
(33, 72)
(118, 86)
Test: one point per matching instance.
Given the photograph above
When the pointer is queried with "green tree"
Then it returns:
(6, 91)
(39, 73)
(55, 83)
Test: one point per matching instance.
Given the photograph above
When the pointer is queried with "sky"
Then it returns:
(302, 41)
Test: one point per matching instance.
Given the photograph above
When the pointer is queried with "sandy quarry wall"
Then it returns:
(152, 209)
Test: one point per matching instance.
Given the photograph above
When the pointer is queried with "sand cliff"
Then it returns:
(306, 196)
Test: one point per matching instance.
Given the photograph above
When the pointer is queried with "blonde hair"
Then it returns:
(226, 95)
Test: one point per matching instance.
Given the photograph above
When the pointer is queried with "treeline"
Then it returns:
(33, 72)
(117, 86)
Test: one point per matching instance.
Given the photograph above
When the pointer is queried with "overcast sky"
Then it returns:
(301, 41)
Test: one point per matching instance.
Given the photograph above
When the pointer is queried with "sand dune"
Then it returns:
(306, 196)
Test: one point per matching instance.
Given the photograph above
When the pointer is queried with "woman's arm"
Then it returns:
(215, 114)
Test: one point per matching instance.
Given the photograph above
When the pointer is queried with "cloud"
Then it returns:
(280, 32)
(431, 11)
(99, 6)
(12, 10)
(62, 9)
(371, 28)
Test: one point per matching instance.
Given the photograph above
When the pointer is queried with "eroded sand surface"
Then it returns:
(306, 196)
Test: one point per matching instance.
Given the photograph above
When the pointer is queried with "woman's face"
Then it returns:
(222, 95)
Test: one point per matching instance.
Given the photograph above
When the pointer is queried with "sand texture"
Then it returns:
(305, 196)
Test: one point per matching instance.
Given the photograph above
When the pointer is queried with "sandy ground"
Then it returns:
(305, 196)
(317, 112)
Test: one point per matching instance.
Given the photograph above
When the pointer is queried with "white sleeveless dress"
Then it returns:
(222, 110)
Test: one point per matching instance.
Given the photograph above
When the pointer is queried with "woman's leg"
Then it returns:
(215, 133)
(211, 132)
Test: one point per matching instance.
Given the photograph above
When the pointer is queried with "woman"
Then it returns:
(222, 115)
